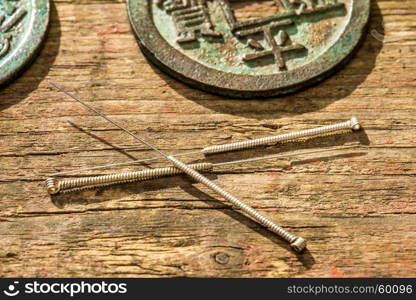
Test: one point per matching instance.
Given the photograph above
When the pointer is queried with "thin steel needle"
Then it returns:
(55, 186)
(127, 163)
(297, 243)
(351, 125)
(217, 164)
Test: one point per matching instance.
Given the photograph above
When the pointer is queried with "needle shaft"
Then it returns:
(136, 137)
(352, 124)
(65, 186)
(127, 163)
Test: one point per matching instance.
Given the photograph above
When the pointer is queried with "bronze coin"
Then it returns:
(23, 25)
(215, 46)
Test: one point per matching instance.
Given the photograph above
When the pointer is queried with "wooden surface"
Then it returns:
(357, 209)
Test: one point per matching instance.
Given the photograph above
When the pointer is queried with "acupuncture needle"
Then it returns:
(297, 243)
(352, 124)
(66, 186)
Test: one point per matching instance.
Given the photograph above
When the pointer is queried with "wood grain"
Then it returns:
(357, 209)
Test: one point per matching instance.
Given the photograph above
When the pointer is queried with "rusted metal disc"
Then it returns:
(226, 47)
(23, 25)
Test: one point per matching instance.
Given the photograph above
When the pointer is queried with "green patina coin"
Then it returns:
(23, 25)
(276, 47)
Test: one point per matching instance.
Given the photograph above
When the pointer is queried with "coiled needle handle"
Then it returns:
(55, 186)
(352, 124)
(297, 243)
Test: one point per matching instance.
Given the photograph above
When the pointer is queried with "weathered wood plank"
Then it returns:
(356, 208)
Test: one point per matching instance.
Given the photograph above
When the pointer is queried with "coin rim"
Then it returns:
(25, 54)
(177, 64)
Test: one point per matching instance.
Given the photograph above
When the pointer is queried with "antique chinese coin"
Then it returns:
(23, 25)
(252, 47)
